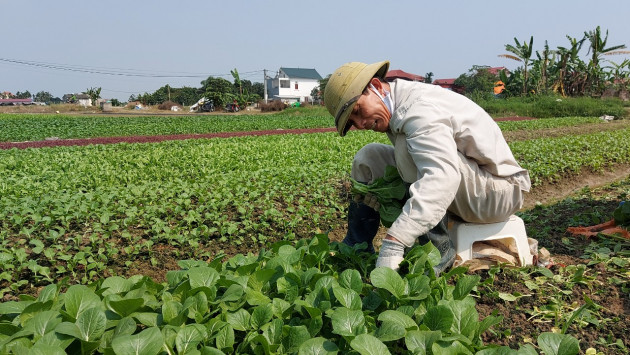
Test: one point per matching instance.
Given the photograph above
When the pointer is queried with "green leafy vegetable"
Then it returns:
(390, 191)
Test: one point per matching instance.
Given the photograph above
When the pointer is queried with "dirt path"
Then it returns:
(548, 193)
(509, 136)
(162, 138)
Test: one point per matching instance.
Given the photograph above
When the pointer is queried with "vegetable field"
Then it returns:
(229, 245)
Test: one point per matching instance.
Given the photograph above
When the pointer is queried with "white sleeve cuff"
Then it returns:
(406, 230)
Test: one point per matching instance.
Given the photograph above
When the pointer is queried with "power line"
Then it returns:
(114, 71)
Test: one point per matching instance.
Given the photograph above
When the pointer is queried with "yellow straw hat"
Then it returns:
(346, 85)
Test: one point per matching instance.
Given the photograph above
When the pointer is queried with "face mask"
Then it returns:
(387, 100)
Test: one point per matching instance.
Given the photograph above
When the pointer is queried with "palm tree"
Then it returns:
(520, 53)
(428, 77)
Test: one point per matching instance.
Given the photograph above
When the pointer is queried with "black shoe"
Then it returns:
(363, 223)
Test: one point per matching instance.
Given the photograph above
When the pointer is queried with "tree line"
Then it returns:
(219, 90)
(560, 71)
(42, 96)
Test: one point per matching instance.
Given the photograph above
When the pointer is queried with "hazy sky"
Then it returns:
(132, 47)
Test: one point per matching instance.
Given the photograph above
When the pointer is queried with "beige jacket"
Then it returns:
(428, 128)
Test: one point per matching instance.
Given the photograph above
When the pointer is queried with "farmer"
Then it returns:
(448, 150)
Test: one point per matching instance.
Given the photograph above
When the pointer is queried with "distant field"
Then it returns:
(32, 127)
(36, 127)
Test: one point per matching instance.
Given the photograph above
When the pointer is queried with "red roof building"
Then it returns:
(15, 102)
(399, 74)
(449, 84)
(497, 70)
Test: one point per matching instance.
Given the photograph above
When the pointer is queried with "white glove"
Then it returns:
(391, 254)
(369, 200)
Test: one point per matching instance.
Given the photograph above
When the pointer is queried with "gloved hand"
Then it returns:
(368, 199)
(391, 254)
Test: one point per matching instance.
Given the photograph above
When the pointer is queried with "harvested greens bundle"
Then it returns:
(390, 191)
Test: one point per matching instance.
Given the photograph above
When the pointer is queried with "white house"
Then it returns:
(293, 84)
(81, 99)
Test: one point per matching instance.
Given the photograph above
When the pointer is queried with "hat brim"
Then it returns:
(355, 90)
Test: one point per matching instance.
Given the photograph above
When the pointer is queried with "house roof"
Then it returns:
(15, 101)
(399, 74)
(302, 73)
(444, 81)
(496, 70)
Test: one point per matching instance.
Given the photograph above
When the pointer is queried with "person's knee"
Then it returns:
(370, 161)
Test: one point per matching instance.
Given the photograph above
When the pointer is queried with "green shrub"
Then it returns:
(275, 105)
(552, 106)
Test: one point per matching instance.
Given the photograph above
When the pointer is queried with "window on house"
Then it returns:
(284, 84)
(296, 85)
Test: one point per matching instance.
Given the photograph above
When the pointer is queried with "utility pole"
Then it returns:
(265, 83)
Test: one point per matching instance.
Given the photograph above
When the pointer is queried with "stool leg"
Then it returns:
(438, 235)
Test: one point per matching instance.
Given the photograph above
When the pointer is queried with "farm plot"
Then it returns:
(89, 212)
(107, 200)
(80, 208)
(25, 127)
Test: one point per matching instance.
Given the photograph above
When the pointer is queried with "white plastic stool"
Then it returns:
(464, 235)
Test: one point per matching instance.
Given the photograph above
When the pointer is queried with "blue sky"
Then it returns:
(180, 43)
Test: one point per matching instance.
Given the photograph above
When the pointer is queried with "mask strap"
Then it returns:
(386, 102)
(376, 92)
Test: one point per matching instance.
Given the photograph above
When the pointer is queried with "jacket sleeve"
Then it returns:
(425, 136)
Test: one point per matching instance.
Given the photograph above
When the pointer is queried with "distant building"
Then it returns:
(292, 85)
(497, 70)
(449, 84)
(399, 74)
(15, 102)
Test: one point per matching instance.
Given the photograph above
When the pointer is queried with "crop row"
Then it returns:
(16, 128)
(550, 160)
(76, 211)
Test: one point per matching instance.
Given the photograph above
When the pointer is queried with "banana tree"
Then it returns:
(237, 80)
(243, 96)
(94, 94)
(541, 66)
(520, 53)
(568, 61)
(597, 46)
(619, 76)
